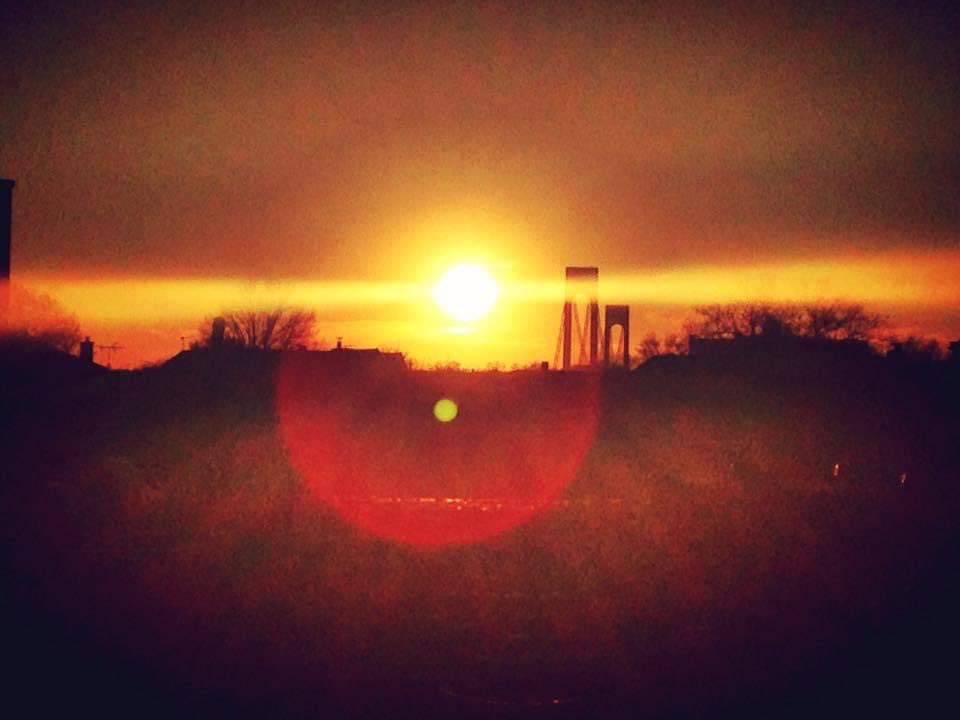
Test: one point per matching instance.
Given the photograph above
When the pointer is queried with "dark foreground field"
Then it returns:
(685, 540)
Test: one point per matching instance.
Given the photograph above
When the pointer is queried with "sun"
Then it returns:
(466, 292)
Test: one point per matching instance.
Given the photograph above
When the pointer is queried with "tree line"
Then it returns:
(835, 321)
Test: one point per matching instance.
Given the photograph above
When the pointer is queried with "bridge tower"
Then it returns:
(581, 283)
(614, 315)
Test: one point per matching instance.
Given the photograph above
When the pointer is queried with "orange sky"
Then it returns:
(918, 292)
(168, 155)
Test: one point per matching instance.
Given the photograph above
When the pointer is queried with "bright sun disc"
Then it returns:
(466, 292)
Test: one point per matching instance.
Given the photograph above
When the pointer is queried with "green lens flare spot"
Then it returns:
(445, 410)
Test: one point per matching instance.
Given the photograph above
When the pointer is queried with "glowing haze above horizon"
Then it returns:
(174, 162)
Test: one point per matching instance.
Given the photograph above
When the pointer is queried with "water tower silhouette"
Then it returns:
(217, 332)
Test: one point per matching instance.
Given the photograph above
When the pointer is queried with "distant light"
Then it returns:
(445, 410)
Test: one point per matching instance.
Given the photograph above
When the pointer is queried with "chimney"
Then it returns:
(86, 350)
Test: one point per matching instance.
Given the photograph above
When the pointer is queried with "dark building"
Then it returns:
(6, 225)
(778, 351)
(355, 358)
(339, 360)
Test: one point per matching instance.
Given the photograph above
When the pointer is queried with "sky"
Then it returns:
(175, 159)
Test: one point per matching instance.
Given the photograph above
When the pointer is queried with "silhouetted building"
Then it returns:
(86, 350)
(6, 225)
(341, 362)
(581, 282)
(613, 316)
(6, 233)
(347, 364)
(358, 357)
(778, 350)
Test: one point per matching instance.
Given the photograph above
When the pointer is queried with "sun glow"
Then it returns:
(466, 292)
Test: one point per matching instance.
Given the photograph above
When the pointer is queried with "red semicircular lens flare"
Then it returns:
(367, 441)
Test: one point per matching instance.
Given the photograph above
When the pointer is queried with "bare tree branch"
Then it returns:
(279, 328)
(827, 321)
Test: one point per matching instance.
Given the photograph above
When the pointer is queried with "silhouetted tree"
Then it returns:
(743, 319)
(649, 347)
(279, 328)
(652, 346)
(675, 344)
(41, 319)
(840, 321)
(830, 321)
